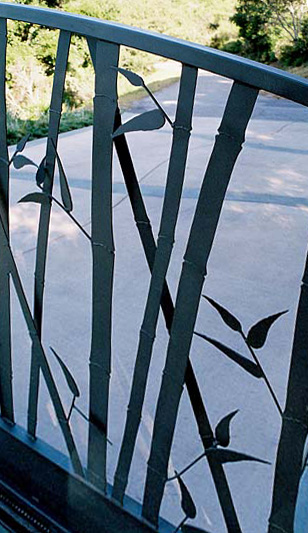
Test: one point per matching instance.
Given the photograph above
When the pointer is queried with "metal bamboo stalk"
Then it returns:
(227, 147)
(39, 353)
(105, 104)
(44, 222)
(203, 423)
(181, 134)
(6, 393)
(294, 430)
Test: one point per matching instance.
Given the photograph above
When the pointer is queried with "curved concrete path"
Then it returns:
(254, 270)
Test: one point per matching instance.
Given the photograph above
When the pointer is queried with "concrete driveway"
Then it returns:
(255, 270)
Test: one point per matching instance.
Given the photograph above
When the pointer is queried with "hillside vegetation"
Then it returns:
(259, 29)
(32, 51)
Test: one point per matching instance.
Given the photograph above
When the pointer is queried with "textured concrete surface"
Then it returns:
(255, 270)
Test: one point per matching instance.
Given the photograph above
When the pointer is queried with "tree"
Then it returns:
(252, 18)
(289, 15)
(262, 22)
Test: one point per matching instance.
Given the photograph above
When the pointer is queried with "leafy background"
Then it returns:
(257, 29)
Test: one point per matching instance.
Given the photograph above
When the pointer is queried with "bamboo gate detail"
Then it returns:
(25, 471)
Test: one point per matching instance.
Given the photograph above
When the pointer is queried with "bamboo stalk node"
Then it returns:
(157, 472)
(147, 334)
(279, 528)
(131, 411)
(181, 128)
(143, 223)
(38, 280)
(99, 366)
(55, 111)
(197, 268)
(169, 240)
(237, 140)
(109, 250)
(102, 95)
(296, 421)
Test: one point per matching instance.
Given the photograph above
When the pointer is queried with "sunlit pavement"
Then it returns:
(254, 270)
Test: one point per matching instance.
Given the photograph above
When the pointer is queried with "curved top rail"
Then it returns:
(237, 68)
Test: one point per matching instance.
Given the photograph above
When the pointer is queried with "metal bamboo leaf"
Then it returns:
(192, 529)
(227, 317)
(187, 502)
(36, 197)
(41, 172)
(20, 161)
(67, 374)
(231, 456)
(222, 431)
(148, 121)
(133, 78)
(258, 333)
(22, 143)
(242, 361)
(65, 190)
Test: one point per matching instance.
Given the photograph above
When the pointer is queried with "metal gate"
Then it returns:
(40, 488)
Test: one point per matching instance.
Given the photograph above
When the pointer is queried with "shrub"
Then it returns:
(296, 54)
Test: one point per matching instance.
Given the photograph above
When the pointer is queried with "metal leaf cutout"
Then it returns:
(258, 333)
(231, 456)
(68, 376)
(148, 121)
(40, 175)
(186, 528)
(65, 190)
(133, 78)
(187, 503)
(222, 431)
(22, 143)
(36, 197)
(242, 361)
(227, 317)
(20, 161)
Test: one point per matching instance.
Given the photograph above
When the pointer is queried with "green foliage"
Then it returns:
(249, 27)
(32, 52)
(272, 27)
(297, 53)
(252, 18)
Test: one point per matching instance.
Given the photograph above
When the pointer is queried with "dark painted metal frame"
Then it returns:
(101, 512)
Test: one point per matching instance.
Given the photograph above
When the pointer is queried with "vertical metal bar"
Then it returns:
(290, 455)
(39, 352)
(105, 105)
(181, 135)
(43, 231)
(226, 150)
(6, 393)
(203, 423)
